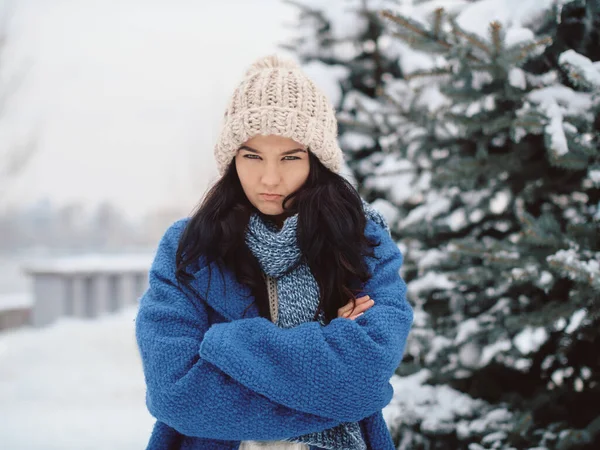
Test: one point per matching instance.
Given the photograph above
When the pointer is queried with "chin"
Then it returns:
(270, 209)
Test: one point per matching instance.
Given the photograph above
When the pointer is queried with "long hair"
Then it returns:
(330, 233)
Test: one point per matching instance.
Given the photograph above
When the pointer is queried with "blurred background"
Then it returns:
(472, 125)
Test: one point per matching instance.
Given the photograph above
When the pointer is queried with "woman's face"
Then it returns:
(272, 165)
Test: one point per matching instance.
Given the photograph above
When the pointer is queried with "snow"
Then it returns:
(558, 140)
(476, 215)
(490, 351)
(352, 141)
(469, 355)
(500, 201)
(434, 408)
(457, 220)
(431, 258)
(424, 11)
(576, 319)
(570, 259)
(393, 176)
(432, 98)
(327, 78)
(465, 330)
(530, 339)
(545, 280)
(437, 344)
(516, 78)
(581, 66)
(17, 300)
(429, 282)
(75, 384)
(389, 211)
(497, 419)
(517, 35)
(510, 13)
(435, 205)
(113, 263)
(572, 103)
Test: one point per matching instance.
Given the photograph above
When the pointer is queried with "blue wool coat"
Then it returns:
(214, 378)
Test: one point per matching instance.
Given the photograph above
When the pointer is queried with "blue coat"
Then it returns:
(214, 378)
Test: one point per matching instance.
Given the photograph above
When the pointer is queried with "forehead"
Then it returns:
(272, 142)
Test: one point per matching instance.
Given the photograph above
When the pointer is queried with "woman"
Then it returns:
(275, 316)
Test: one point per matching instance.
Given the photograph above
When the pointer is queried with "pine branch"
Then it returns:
(428, 73)
(496, 32)
(437, 22)
(415, 28)
(472, 38)
(520, 52)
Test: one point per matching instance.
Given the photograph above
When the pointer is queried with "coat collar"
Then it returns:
(222, 292)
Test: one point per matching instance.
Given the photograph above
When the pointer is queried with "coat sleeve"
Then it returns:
(185, 391)
(341, 369)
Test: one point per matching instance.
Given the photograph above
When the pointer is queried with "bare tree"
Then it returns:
(13, 157)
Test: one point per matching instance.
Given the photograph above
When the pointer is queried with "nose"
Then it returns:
(271, 176)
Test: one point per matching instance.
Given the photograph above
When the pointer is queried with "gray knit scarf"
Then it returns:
(298, 294)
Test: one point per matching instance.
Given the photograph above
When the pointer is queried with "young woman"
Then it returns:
(275, 315)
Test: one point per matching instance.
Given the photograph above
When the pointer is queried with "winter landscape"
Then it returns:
(472, 125)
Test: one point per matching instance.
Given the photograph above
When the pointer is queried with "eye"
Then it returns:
(293, 157)
(252, 156)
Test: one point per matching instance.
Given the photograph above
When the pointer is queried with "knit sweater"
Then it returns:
(207, 366)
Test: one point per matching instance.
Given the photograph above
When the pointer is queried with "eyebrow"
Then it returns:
(288, 152)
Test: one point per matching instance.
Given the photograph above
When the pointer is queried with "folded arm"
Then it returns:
(185, 391)
(342, 369)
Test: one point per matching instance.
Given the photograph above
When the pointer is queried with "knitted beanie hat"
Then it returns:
(276, 97)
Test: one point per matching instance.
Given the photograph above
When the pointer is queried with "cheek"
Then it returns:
(298, 175)
(244, 173)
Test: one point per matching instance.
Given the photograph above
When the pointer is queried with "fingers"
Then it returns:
(351, 311)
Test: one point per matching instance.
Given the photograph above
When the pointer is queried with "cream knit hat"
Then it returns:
(276, 97)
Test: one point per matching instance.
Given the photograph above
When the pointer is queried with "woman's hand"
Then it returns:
(362, 304)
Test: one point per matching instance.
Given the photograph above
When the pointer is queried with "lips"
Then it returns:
(270, 196)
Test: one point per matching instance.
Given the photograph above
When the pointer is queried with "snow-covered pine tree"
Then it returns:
(507, 236)
(484, 158)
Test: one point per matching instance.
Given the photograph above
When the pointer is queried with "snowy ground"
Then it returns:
(77, 384)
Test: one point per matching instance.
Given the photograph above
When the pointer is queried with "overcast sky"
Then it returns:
(127, 95)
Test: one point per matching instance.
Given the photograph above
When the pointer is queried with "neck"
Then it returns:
(278, 219)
